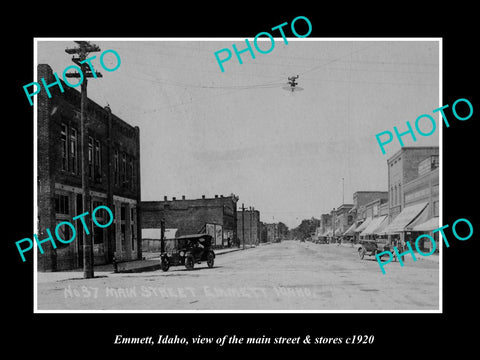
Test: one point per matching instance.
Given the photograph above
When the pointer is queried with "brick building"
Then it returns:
(402, 168)
(271, 232)
(342, 219)
(113, 173)
(362, 198)
(413, 189)
(424, 189)
(248, 222)
(216, 216)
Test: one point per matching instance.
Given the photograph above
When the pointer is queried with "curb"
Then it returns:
(157, 266)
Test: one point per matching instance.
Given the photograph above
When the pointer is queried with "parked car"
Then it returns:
(372, 247)
(188, 250)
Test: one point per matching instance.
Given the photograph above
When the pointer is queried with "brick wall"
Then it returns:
(251, 225)
(189, 216)
(58, 126)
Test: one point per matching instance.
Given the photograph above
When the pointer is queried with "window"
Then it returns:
(97, 161)
(130, 169)
(99, 213)
(64, 150)
(116, 168)
(98, 234)
(133, 236)
(64, 233)
(73, 150)
(62, 204)
(400, 193)
(124, 169)
(90, 157)
(122, 236)
(122, 212)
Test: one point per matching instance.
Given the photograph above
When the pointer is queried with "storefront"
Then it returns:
(369, 232)
(399, 227)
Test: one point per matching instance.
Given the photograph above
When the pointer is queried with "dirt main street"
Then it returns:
(284, 276)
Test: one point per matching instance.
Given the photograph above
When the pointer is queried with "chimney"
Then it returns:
(183, 197)
(216, 196)
(203, 196)
(174, 198)
(165, 198)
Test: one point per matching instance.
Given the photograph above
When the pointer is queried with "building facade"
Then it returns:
(248, 226)
(112, 174)
(215, 216)
(421, 190)
(271, 231)
(413, 189)
(342, 219)
(402, 168)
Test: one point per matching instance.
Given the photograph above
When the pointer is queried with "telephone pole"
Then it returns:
(82, 51)
(243, 226)
(251, 233)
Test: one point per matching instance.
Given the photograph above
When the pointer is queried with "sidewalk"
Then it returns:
(150, 262)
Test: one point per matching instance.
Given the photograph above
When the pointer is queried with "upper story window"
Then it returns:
(90, 157)
(62, 204)
(97, 161)
(73, 151)
(64, 149)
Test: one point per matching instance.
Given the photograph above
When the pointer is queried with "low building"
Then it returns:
(366, 205)
(271, 231)
(215, 216)
(342, 219)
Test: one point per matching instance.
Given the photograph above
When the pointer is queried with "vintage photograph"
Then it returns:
(237, 175)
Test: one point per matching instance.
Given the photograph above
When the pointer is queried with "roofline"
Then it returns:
(411, 148)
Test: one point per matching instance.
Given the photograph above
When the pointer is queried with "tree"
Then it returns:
(306, 228)
(282, 230)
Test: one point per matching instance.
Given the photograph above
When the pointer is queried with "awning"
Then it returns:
(428, 225)
(351, 229)
(364, 225)
(380, 230)
(374, 224)
(403, 219)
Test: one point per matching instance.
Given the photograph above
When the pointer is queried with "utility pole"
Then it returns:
(243, 225)
(82, 51)
(333, 225)
(162, 236)
(251, 232)
(343, 191)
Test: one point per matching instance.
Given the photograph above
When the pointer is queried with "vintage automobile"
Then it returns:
(373, 247)
(187, 250)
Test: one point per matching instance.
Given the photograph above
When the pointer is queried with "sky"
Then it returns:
(208, 132)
